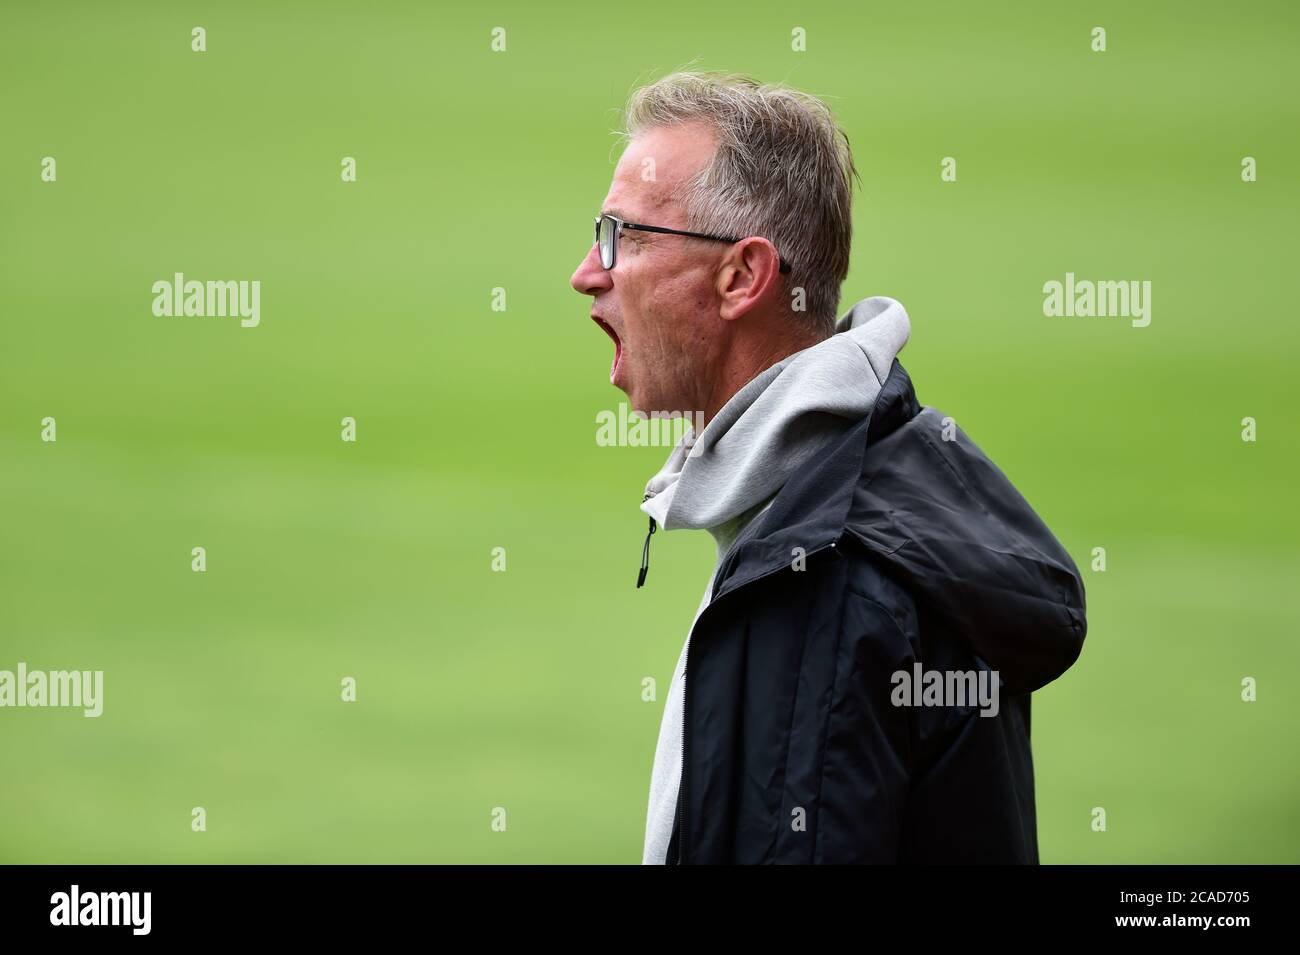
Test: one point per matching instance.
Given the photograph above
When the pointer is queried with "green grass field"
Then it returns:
(477, 170)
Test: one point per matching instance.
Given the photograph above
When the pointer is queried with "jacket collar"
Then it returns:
(811, 511)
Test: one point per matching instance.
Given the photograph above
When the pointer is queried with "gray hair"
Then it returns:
(783, 170)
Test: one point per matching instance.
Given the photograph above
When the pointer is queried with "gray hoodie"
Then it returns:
(723, 478)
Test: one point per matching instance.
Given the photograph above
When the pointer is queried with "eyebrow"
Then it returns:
(620, 213)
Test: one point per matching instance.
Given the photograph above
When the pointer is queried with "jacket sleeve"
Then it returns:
(954, 530)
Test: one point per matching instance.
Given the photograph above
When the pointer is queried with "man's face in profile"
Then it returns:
(658, 302)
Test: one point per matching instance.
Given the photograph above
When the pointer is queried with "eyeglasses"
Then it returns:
(609, 228)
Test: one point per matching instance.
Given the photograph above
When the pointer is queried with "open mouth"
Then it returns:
(618, 347)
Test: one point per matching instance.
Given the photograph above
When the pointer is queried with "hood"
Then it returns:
(935, 513)
(773, 426)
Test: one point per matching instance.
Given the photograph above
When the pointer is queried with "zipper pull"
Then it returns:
(645, 555)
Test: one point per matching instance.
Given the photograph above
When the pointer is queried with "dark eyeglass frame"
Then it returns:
(621, 224)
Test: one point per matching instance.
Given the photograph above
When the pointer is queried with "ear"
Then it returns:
(749, 276)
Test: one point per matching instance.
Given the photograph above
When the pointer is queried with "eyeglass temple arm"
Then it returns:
(784, 265)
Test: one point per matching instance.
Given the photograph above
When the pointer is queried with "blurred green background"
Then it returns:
(476, 428)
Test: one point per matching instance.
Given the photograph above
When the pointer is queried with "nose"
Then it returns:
(591, 277)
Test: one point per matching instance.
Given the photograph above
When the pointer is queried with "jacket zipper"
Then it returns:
(645, 551)
(681, 775)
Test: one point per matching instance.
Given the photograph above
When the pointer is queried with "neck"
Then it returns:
(743, 361)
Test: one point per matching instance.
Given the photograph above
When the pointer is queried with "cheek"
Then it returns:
(684, 304)
(646, 312)
(631, 292)
(664, 314)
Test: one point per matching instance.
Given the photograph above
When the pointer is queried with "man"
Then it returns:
(884, 601)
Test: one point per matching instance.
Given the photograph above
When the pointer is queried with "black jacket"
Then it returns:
(918, 550)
